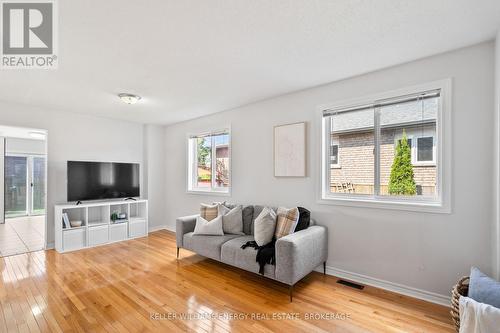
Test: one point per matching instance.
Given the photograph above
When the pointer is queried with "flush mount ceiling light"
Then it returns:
(129, 98)
(37, 135)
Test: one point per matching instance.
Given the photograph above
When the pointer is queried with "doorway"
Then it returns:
(23, 215)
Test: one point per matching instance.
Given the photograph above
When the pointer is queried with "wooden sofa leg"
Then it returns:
(177, 253)
(324, 268)
(290, 291)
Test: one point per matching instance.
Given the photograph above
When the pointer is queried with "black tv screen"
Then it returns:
(102, 180)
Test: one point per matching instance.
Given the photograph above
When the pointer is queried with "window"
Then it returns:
(423, 149)
(209, 162)
(334, 153)
(389, 150)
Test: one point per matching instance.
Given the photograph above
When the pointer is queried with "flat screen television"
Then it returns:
(102, 180)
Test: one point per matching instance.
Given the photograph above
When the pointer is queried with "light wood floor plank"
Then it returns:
(121, 287)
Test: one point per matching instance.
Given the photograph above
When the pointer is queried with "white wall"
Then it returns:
(73, 136)
(24, 146)
(421, 250)
(154, 174)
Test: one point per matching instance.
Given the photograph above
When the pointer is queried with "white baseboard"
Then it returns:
(387, 285)
(160, 227)
(50, 246)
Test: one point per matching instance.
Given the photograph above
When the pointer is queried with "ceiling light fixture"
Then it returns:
(129, 98)
(37, 135)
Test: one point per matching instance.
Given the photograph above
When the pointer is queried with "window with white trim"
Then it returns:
(388, 149)
(424, 150)
(423, 146)
(334, 152)
(210, 162)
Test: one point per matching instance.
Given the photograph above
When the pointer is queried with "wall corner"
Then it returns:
(496, 145)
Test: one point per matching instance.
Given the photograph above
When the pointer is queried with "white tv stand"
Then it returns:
(97, 227)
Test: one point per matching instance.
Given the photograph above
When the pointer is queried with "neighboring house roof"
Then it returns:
(399, 115)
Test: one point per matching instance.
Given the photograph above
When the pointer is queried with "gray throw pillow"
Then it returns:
(247, 219)
(264, 226)
(212, 227)
(232, 219)
(484, 289)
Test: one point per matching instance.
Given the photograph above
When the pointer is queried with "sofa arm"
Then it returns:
(300, 253)
(183, 225)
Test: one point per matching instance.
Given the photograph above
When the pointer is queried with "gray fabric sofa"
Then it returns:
(296, 254)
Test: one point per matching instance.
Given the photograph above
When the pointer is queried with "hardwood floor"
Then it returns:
(139, 286)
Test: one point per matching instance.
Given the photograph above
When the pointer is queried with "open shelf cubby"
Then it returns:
(76, 214)
(98, 215)
(138, 210)
(119, 208)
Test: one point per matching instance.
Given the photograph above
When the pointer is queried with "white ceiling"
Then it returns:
(191, 58)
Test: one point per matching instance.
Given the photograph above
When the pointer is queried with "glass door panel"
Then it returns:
(38, 186)
(16, 172)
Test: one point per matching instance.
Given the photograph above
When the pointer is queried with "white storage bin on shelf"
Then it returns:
(118, 231)
(138, 219)
(98, 235)
(97, 227)
(74, 239)
(137, 228)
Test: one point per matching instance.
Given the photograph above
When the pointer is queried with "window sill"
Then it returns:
(388, 203)
(210, 193)
(423, 164)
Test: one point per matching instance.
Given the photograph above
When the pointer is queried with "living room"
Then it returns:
(307, 166)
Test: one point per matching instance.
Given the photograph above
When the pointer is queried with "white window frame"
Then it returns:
(192, 165)
(442, 156)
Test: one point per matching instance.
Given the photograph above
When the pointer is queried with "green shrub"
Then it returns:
(203, 153)
(401, 181)
(202, 178)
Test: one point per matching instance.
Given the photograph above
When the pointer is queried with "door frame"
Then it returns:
(46, 190)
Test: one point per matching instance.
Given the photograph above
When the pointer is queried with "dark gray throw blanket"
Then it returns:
(265, 254)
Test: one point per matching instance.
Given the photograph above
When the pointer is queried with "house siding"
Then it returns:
(356, 164)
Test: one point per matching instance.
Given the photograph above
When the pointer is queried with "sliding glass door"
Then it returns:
(16, 178)
(24, 185)
(38, 186)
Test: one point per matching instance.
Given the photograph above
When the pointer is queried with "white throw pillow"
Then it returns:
(232, 219)
(204, 227)
(264, 226)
